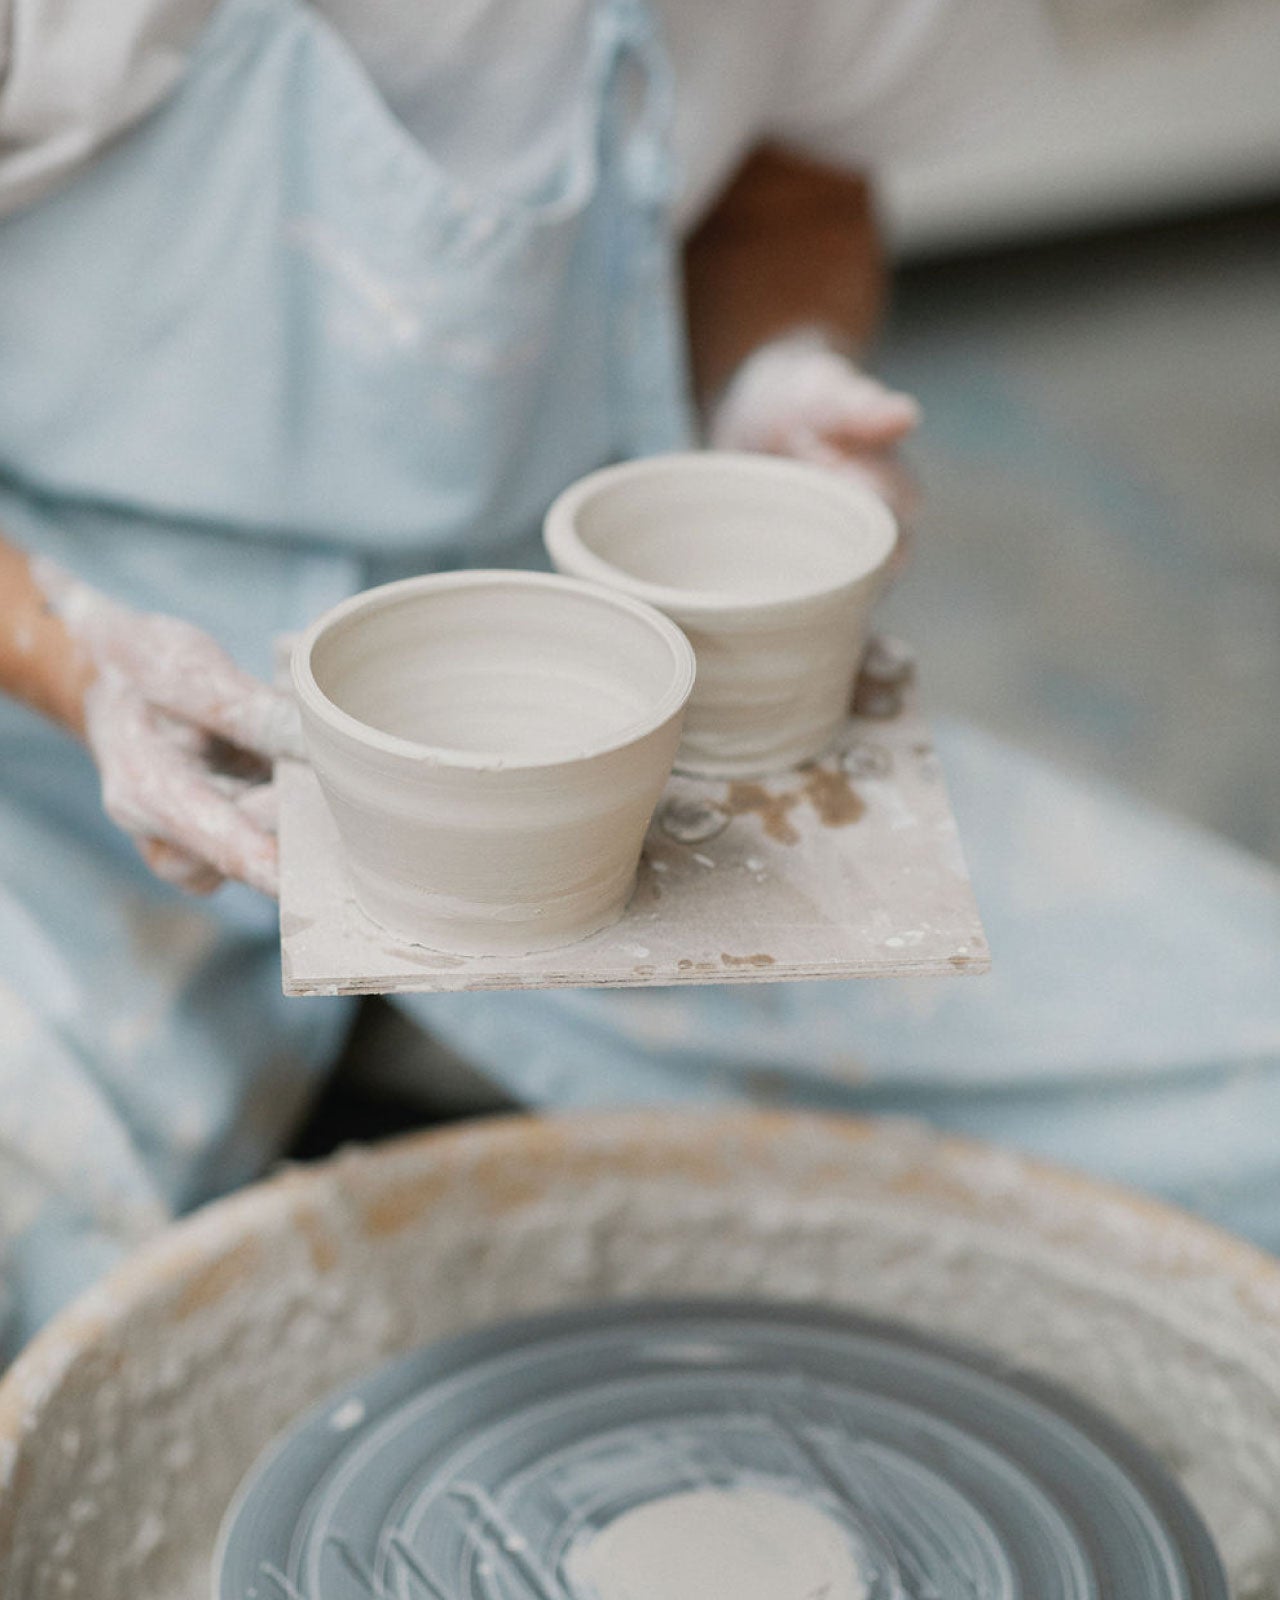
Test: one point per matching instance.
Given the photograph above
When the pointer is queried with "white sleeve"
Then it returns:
(867, 81)
(74, 73)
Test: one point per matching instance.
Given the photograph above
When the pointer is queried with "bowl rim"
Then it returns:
(313, 699)
(203, 1255)
(570, 554)
(639, 1141)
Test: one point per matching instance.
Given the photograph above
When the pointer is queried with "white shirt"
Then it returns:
(486, 85)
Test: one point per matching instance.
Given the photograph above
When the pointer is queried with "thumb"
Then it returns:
(861, 413)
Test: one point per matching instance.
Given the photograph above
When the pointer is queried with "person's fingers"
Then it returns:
(882, 420)
(174, 666)
(798, 382)
(178, 868)
(883, 472)
(886, 673)
(191, 815)
(887, 476)
(183, 671)
(155, 786)
(122, 734)
(856, 411)
(261, 804)
(237, 707)
(257, 717)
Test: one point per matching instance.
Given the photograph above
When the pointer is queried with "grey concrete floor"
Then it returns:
(1097, 568)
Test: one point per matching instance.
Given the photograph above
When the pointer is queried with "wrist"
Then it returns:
(41, 664)
(64, 690)
(55, 675)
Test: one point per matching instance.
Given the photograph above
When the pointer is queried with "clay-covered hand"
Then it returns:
(183, 739)
(798, 397)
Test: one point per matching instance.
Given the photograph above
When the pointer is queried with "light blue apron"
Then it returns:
(265, 351)
(268, 310)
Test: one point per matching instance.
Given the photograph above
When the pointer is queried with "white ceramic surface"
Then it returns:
(126, 1427)
(771, 567)
(491, 746)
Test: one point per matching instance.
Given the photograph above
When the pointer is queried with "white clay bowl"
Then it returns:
(491, 746)
(771, 567)
(126, 1427)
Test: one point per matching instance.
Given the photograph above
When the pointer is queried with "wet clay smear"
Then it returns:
(832, 796)
(753, 799)
(828, 790)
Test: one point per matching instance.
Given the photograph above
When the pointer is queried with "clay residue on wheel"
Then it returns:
(218, 1279)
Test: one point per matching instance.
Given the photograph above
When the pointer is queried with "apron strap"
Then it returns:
(636, 98)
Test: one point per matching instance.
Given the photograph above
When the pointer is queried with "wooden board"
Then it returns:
(849, 868)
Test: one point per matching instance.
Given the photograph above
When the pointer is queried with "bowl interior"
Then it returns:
(751, 532)
(518, 670)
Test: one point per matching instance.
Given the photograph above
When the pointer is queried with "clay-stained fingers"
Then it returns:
(249, 714)
(175, 866)
(884, 472)
(855, 411)
(800, 383)
(886, 421)
(192, 816)
(886, 672)
(184, 672)
(260, 802)
(156, 787)
(175, 666)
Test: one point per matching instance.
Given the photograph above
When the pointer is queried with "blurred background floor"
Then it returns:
(1097, 569)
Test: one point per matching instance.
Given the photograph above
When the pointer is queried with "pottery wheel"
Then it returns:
(473, 1468)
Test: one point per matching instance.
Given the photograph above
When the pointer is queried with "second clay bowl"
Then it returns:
(770, 567)
(491, 746)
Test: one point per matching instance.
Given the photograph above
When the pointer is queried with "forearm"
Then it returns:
(790, 244)
(40, 663)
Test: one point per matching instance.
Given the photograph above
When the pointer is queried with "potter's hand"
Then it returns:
(798, 397)
(182, 738)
